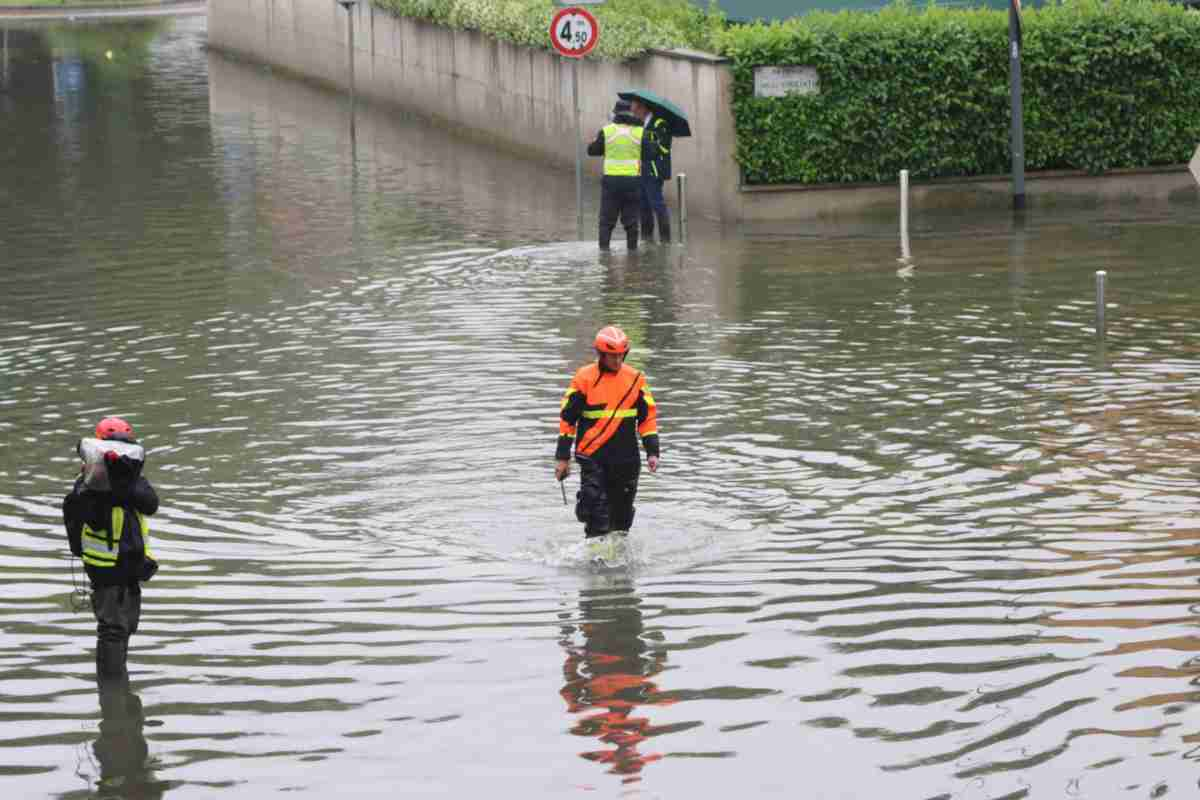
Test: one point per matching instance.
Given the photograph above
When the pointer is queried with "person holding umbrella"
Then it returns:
(661, 122)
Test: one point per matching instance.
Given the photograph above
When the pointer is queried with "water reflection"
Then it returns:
(120, 765)
(611, 661)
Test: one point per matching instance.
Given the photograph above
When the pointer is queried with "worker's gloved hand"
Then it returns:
(149, 568)
(562, 469)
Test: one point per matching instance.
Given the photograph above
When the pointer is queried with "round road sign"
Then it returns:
(574, 32)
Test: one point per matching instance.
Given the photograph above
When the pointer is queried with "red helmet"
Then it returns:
(115, 428)
(612, 339)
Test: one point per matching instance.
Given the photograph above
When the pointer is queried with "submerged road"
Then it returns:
(917, 533)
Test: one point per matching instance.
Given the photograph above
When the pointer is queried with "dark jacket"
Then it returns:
(656, 149)
(85, 505)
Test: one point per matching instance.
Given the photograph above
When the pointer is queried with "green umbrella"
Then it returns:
(675, 117)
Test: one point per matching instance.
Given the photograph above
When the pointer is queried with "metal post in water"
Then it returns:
(904, 249)
(349, 6)
(578, 147)
(4, 74)
(681, 191)
(1100, 277)
(350, 50)
(1018, 118)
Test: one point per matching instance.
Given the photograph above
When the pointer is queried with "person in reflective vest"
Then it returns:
(606, 408)
(620, 142)
(656, 168)
(105, 516)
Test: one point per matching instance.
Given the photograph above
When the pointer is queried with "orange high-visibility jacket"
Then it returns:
(604, 413)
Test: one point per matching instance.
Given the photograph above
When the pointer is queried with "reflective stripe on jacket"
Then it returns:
(656, 148)
(622, 149)
(102, 548)
(603, 414)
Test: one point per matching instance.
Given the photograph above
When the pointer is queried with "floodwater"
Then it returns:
(919, 531)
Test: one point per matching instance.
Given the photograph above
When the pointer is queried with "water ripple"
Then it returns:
(928, 523)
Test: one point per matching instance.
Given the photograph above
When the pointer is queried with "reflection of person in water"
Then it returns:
(608, 670)
(121, 752)
(121, 749)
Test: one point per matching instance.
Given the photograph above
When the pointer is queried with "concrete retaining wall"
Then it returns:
(519, 99)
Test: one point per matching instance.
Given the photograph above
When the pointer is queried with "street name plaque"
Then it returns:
(782, 81)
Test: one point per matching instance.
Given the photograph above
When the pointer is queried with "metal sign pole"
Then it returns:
(1018, 119)
(574, 33)
(578, 147)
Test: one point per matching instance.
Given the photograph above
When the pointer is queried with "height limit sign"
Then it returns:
(574, 32)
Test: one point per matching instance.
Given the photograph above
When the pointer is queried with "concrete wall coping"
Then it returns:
(685, 54)
(1029, 176)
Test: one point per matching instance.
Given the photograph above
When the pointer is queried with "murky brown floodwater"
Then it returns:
(916, 533)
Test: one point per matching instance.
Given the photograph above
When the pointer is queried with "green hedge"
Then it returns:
(1106, 84)
(628, 28)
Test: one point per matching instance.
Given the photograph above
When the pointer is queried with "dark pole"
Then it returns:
(349, 6)
(1018, 117)
(578, 148)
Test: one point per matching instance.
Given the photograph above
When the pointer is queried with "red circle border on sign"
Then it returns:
(562, 12)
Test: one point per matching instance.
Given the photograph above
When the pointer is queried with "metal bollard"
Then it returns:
(1100, 278)
(349, 6)
(905, 253)
(681, 191)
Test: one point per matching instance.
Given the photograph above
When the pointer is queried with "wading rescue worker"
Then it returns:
(620, 142)
(606, 408)
(105, 515)
(656, 168)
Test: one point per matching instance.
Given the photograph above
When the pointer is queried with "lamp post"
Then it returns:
(349, 6)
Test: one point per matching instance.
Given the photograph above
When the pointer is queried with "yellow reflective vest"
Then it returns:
(102, 548)
(622, 149)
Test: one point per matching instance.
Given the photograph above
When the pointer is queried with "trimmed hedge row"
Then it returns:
(628, 27)
(1106, 85)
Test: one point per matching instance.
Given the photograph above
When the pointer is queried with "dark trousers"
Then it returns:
(654, 205)
(604, 501)
(619, 198)
(117, 610)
